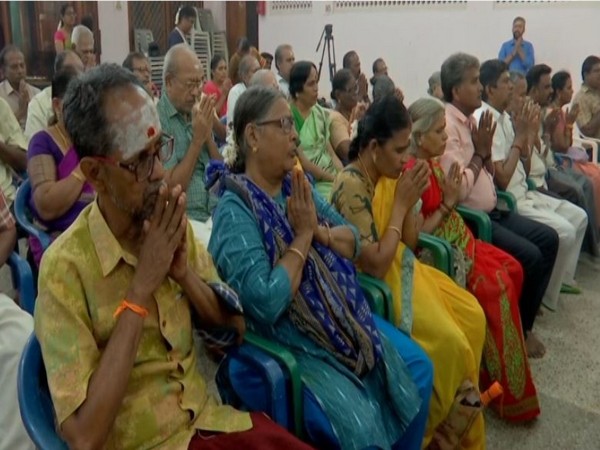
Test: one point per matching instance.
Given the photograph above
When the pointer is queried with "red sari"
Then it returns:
(495, 278)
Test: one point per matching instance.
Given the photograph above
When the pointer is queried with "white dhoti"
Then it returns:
(570, 222)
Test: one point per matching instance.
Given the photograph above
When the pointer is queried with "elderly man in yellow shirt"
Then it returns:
(123, 288)
(13, 151)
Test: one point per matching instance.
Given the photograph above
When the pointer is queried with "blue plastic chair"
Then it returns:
(23, 215)
(35, 403)
(22, 279)
(288, 409)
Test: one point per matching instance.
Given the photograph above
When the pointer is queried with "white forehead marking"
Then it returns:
(137, 128)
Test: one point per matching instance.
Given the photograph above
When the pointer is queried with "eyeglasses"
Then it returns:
(141, 69)
(142, 169)
(285, 123)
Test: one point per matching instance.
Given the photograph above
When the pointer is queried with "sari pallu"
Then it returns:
(447, 322)
(329, 308)
(314, 135)
(495, 278)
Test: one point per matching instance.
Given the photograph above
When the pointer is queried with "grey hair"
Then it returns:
(245, 66)
(262, 77)
(278, 53)
(170, 62)
(424, 113)
(83, 108)
(253, 105)
(382, 87)
(516, 76)
(434, 80)
(453, 72)
(80, 31)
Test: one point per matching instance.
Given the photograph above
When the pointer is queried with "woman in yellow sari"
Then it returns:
(374, 195)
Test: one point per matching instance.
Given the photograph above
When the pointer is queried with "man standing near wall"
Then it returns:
(517, 53)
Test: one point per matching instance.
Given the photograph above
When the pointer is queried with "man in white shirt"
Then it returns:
(40, 107)
(511, 154)
(14, 89)
(284, 60)
(15, 328)
(13, 151)
(248, 67)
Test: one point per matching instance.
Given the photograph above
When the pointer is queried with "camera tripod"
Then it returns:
(330, 47)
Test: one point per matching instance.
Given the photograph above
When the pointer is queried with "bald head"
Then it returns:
(183, 77)
(265, 78)
(68, 58)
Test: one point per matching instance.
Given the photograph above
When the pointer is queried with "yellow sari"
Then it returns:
(447, 321)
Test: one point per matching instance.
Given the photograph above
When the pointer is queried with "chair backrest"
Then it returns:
(35, 403)
(22, 279)
(142, 39)
(23, 215)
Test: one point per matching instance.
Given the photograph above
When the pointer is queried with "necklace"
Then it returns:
(64, 139)
(368, 175)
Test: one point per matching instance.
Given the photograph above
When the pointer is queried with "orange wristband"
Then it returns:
(139, 310)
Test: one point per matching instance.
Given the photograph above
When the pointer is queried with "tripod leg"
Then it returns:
(322, 58)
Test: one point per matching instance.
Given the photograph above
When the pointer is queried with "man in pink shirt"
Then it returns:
(534, 245)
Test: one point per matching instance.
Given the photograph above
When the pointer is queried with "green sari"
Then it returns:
(314, 139)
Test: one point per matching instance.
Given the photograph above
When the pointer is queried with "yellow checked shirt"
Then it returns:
(84, 276)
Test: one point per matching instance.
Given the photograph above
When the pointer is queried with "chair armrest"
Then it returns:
(508, 198)
(286, 359)
(21, 208)
(378, 295)
(22, 279)
(270, 369)
(591, 143)
(479, 220)
(35, 404)
(442, 252)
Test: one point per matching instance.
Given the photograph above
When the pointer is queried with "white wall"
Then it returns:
(415, 40)
(113, 23)
(219, 13)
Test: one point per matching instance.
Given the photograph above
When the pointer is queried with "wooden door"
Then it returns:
(4, 24)
(235, 15)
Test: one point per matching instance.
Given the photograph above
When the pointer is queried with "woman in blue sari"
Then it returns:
(288, 254)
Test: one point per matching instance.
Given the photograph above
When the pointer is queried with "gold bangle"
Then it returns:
(328, 234)
(78, 177)
(397, 230)
(297, 252)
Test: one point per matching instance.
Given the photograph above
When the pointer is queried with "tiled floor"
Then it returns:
(567, 378)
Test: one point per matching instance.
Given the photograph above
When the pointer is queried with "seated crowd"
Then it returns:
(159, 232)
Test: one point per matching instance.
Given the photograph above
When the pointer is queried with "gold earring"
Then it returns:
(254, 149)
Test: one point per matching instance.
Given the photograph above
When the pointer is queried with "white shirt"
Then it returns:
(12, 97)
(501, 145)
(232, 98)
(39, 112)
(284, 86)
(10, 133)
(15, 327)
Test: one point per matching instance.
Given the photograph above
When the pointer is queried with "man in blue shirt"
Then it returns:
(517, 53)
(185, 22)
